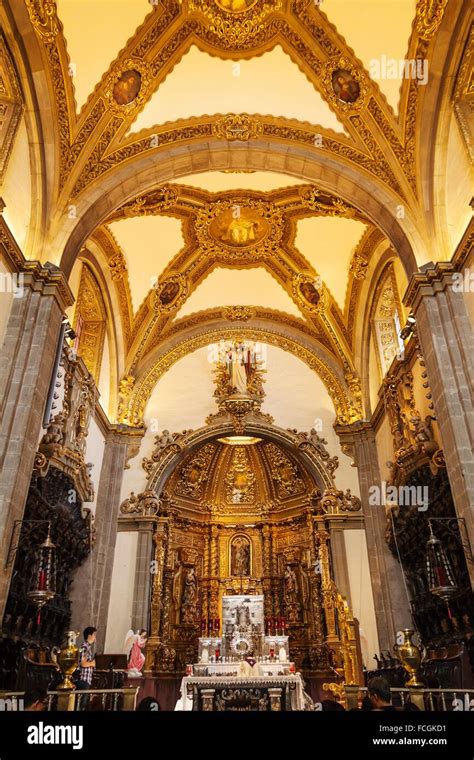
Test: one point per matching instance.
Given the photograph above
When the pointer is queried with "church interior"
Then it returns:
(236, 403)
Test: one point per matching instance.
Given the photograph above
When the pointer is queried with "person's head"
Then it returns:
(142, 632)
(89, 634)
(379, 692)
(148, 704)
(35, 700)
(366, 703)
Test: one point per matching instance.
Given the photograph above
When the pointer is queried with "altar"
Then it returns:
(243, 669)
(226, 692)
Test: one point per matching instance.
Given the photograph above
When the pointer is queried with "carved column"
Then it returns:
(275, 579)
(26, 363)
(322, 537)
(97, 570)
(267, 569)
(214, 583)
(392, 610)
(445, 333)
(316, 596)
(161, 542)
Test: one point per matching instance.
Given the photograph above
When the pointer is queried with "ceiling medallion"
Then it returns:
(127, 85)
(236, 22)
(309, 293)
(239, 229)
(170, 294)
(237, 127)
(346, 89)
(236, 6)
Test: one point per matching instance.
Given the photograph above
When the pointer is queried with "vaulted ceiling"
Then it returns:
(236, 154)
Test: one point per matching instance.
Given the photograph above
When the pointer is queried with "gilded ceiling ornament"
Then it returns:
(346, 88)
(324, 203)
(428, 17)
(127, 86)
(239, 229)
(11, 106)
(43, 16)
(170, 294)
(235, 23)
(155, 202)
(237, 127)
(464, 95)
(285, 473)
(118, 266)
(238, 313)
(240, 479)
(358, 266)
(309, 293)
(195, 472)
(125, 392)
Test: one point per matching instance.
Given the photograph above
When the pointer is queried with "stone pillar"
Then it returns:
(90, 593)
(446, 338)
(141, 592)
(26, 364)
(392, 610)
(339, 562)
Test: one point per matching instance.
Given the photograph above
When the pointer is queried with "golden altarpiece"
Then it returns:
(241, 506)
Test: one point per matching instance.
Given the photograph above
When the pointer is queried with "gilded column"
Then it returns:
(161, 543)
(315, 581)
(267, 569)
(275, 578)
(214, 583)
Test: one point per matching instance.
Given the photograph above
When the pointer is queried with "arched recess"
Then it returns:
(142, 174)
(171, 456)
(140, 389)
(378, 271)
(435, 111)
(93, 260)
(34, 77)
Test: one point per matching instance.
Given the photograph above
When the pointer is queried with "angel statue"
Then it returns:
(134, 643)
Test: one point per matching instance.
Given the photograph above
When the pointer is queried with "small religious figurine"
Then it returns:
(134, 643)
(290, 586)
(190, 590)
(240, 565)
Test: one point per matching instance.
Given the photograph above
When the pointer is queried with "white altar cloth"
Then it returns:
(297, 701)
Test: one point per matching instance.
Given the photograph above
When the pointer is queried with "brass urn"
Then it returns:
(410, 657)
(68, 660)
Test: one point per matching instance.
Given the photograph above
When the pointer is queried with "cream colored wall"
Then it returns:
(16, 187)
(239, 287)
(361, 593)
(459, 184)
(6, 299)
(183, 398)
(119, 618)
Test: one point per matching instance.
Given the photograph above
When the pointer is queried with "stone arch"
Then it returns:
(331, 173)
(159, 363)
(174, 454)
